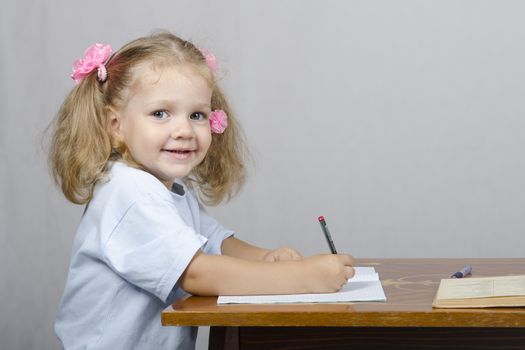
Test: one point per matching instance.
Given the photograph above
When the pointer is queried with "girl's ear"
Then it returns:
(114, 123)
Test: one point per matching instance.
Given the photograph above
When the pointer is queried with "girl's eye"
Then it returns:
(198, 116)
(160, 114)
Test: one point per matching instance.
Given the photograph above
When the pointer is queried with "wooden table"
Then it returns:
(405, 321)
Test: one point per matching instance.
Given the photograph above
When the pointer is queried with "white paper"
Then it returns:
(364, 286)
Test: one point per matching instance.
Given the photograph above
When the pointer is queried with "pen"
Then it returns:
(327, 234)
(467, 270)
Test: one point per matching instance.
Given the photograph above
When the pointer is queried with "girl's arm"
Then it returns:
(237, 248)
(226, 275)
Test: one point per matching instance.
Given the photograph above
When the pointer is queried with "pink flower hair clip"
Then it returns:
(211, 61)
(218, 121)
(218, 118)
(95, 57)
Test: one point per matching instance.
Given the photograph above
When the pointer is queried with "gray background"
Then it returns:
(400, 121)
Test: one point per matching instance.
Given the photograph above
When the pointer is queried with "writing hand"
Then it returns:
(327, 273)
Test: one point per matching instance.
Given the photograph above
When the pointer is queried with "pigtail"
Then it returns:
(222, 172)
(81, 144)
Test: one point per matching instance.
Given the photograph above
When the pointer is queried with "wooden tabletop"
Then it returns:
(410, 286)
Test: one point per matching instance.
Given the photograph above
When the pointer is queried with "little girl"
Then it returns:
(142, 131)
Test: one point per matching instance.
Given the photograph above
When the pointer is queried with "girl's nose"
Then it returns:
(181, 128)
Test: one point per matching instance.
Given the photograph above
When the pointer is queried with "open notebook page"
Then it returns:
(364, 286)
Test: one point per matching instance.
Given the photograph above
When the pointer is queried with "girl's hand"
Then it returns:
(282, 254)
(327, 273)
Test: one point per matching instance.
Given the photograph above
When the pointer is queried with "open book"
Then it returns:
(364, 286)
(481, 292)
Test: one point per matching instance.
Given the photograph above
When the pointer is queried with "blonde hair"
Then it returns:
(82, 144)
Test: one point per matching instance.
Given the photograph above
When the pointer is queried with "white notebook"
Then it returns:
(364, 286)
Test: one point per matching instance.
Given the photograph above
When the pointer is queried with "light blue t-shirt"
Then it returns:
(133, 243)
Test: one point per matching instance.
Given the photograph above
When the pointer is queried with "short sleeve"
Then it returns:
(213, 231)
(151, 246)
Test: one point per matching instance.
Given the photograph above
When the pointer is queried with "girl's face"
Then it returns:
(164, 123)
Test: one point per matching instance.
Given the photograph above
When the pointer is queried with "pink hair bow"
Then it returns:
(94, 58)
(211, 61)
(218, 121)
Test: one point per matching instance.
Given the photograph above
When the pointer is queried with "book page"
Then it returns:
(465, 288)
(509, 286)
(483, 287)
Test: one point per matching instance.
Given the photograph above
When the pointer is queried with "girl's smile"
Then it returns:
(180, 154)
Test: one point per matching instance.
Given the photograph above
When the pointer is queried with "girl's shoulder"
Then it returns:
(129, 184)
